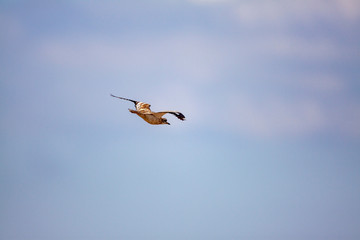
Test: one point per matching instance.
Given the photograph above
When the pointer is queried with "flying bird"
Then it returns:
(155, 118)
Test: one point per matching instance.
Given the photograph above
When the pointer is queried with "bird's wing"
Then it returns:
(135, 102)
(179, 115)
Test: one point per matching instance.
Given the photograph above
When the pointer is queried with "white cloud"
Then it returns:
(210, 1)
(280, 10)
(190, 61)
(286, 12)
(349, 8)
(303, 106)
(321, 83)
(198, 61)
(275, 116)
(185, 57)
(282, 45)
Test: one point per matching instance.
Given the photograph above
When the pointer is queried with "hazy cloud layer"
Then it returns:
(269, 150)
(292, 104)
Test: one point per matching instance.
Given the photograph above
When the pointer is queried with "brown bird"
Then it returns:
(155, 118)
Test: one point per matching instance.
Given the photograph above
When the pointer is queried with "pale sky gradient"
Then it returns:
(270, 149)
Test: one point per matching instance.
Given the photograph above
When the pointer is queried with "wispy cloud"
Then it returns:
(287, 12)
(192, 56)
(193, 62)
(210, 1)
(275, 116)
(264, 74)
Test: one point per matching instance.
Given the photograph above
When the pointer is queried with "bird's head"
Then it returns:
(164, 121)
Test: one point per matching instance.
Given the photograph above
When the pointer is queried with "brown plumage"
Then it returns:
(155, 118)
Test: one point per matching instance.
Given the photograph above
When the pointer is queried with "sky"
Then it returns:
(270, 149)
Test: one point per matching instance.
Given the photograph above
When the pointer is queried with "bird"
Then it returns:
(154, 118)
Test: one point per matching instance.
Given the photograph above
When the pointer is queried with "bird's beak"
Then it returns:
(167, 123)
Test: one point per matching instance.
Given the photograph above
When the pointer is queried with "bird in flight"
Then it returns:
(155, 118)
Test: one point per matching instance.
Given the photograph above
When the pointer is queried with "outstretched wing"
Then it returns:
(135, 102)
(179, 115)
(140, 106)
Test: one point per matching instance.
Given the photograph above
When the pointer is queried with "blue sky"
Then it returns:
(270, 148)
